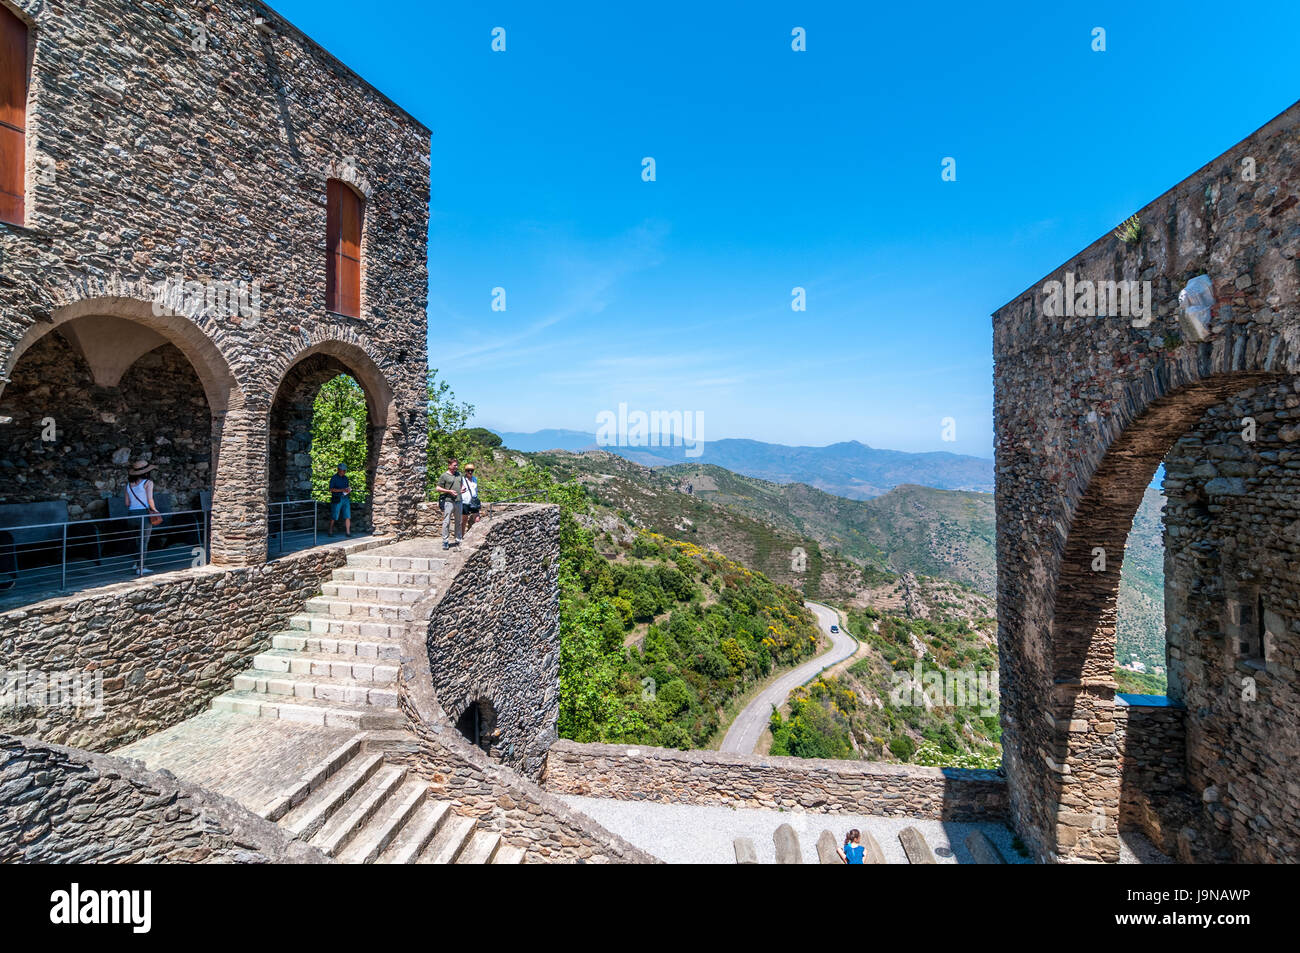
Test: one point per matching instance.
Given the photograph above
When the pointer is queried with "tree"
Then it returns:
(447, 417)
(338, 435)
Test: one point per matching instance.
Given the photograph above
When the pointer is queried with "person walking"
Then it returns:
(469, 502)
(140, 505)
(340, 500)
(853, 852)
(449, 490)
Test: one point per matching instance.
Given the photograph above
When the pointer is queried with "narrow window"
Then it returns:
(343, 269)
(13, 116)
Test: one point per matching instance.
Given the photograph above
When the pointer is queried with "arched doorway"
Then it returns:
(325, 412)
(1116, 763)
(106, 383)
(478, 724)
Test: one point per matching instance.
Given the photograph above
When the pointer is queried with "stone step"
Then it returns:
(356, 628)
(300, 791)
(481, 848)
(362, 592)
(384, 577)
(348, 821)
(417, 833)
(384, 827)
(327, 665)
(370, 649)
(375, 560)
(311, 815)
(308, 711)
(508, 855)
(448, 842)
(322, 688)
(368, 611)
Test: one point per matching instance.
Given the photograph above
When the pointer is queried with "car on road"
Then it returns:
(835, 628)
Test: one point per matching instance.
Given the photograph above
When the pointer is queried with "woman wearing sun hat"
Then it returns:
(139, 504)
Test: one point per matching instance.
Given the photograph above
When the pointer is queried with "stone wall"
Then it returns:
(1086, 407)
(666, 776)
(157, 412)
(1151, 743)
(494, 633)
(1233, 585)
(164, 645)
(176, 142)
(59, 805)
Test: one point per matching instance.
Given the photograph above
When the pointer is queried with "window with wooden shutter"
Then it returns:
(343, 218)
(13, 116)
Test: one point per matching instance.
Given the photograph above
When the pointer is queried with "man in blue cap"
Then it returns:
(341, 500)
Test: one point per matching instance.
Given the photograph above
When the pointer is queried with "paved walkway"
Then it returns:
(744, 734)
(698, 834)
(245, 758)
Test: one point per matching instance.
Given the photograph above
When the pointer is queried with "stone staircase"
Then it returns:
(336, 666)
(360, 807)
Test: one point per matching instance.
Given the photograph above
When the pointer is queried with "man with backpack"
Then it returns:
(450, 486)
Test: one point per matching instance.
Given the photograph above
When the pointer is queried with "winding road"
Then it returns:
(743, 735)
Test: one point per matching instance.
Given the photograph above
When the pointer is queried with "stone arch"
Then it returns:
(298, 381)
(1080, 807)
(112, 324)
(132, 326)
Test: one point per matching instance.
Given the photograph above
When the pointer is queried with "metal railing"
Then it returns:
(80, 554)
(293, 521)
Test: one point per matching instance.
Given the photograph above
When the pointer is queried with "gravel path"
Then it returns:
(743, 735)
(696, 834)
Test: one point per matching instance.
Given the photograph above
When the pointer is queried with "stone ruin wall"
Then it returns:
(60, 805)
(1086, 407)
(667, 776)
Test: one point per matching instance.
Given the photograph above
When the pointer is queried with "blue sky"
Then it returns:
(778, 169)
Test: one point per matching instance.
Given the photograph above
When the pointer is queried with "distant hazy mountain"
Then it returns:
(849, 469)
(547, 440)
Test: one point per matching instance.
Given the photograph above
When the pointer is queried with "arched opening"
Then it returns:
(321, 417)
(478, 723)
(83, 402)
(1158, 765)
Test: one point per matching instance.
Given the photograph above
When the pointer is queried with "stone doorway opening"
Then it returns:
(82, 402)
(1186, 768)
(478, 724)
(319, 419)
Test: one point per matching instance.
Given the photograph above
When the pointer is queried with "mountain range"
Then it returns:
(849, 469)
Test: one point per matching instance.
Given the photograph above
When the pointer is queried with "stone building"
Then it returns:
(1092, 392)
(203, 218)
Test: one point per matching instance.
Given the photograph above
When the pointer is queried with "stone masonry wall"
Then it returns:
(666, 776)
(1233, 582)
(495, 633)
(164, 645)
(173, 140)
(1151, 743)
(158, 413)
(59, 805)
(1085, 408)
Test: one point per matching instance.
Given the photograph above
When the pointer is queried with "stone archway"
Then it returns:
(110, 333)
(288, 445)
(1087, 403)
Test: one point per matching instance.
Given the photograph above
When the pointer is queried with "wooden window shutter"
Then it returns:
(343, 216)
(13, 116)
